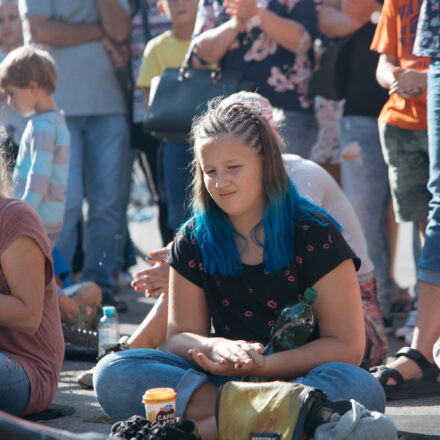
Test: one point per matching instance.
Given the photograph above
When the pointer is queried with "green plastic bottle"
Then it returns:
(292, 329)
(294, 325)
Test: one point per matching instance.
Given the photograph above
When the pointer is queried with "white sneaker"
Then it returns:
(85, 379)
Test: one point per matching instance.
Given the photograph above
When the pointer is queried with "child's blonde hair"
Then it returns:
(26, 64)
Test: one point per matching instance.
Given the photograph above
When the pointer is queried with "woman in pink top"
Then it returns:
(31, 340)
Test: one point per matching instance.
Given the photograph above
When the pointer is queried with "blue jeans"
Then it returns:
(365, 183)
(429, 263)
(96, 150)
(176, 165)
(15, 387)
(299, 131)
(121, 379)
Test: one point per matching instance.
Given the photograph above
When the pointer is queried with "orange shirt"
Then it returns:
(395, 35)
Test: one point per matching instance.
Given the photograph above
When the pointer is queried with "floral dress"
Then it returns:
(428, 30)
(281, 75)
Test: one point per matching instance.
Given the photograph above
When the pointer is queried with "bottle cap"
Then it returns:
(109, 310)
(310, 294)
(155, 394)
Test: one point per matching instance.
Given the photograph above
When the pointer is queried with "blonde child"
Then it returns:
(28, 77)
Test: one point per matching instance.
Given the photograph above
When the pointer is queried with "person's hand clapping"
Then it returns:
(408, 83)
(230, 358)
(153, 280)
(359, 11)
(243, 10)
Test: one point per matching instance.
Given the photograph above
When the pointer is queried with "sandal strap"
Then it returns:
(386, 373)
(430, 371)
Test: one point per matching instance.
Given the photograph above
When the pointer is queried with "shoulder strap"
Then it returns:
(145, 23)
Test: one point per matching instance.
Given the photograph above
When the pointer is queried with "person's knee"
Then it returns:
(93, 293)
(89, 293)
(340, 380)
(362, 383)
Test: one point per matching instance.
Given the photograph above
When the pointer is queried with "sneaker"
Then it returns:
(80, 338)
(85, 379)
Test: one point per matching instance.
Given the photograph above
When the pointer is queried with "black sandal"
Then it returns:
(413, 388)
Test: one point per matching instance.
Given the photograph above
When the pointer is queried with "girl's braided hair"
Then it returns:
(210, 226)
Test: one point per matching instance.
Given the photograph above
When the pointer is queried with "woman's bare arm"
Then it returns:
(189, 321)
(287, 32)
(386, 66)
(212, 45)
(23, 265)
(341, 18)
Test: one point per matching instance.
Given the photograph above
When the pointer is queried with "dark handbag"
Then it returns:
(330, 79)
(180, 94)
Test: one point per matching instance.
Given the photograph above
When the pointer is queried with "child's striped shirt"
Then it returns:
(42, 168)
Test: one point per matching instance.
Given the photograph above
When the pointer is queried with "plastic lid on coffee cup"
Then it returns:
(158, 394)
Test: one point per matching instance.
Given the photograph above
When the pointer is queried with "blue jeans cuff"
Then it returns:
(190, 382)
(428, 276)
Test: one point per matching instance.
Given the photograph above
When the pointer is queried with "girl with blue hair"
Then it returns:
(252, 246)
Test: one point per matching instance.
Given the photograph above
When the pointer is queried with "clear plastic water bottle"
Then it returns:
(108, 330)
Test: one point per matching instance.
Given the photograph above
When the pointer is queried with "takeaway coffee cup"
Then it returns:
(160, 405)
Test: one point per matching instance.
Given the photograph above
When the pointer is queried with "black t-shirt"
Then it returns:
(364, 95)
(246, 307)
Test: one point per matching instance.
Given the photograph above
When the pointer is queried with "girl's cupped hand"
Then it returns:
(230, 358)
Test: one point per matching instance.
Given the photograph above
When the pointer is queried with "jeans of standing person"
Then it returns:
(364, 180)
(429, 263)
(15, 388)
(300, 132)
(121, 379)
(96, 150)
(176, 168)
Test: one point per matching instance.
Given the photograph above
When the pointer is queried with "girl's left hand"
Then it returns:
(231, 358)
(242, 9)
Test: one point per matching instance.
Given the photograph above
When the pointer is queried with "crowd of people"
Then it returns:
(272, 193)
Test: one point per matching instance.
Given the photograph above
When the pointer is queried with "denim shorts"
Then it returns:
(406, 154)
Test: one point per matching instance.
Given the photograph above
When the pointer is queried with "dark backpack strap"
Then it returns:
(145, 23)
